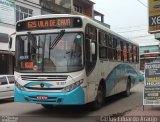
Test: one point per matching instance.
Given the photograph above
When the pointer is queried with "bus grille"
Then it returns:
(44, 77)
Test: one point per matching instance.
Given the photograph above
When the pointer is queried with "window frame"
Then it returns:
(115, 48)
(92, 32)
(11, 82)
(2, 82)
(23, 12)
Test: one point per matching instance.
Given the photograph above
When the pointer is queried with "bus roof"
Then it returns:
(98, 25)
(148, 44)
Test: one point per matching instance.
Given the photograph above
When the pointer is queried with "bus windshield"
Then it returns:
(61, 52)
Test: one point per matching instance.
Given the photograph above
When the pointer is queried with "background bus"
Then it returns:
(149, 52)
(71, 60)
(148, 58)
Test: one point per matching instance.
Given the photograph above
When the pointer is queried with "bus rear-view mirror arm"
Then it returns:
(10, 42)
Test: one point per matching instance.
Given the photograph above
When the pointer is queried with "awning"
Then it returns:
(4, 38)
(4, 52)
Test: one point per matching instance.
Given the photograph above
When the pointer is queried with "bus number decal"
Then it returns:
(28, 65)
(60, 83)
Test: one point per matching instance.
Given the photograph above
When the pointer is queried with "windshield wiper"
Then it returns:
(32, 39)
(57, 39)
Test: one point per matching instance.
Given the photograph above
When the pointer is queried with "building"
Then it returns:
(84, 7)
(12, 11)
(149, 53)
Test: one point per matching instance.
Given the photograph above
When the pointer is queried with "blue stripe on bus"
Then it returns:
(120, 72)
(74, 97)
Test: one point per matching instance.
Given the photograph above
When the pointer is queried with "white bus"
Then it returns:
(71, 60)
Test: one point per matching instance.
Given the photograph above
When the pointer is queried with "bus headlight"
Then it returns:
(72, 86)
(19, 86)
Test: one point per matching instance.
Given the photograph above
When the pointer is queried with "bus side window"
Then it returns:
(125, 52)
(110, 50)
(137, 54)
(118, 51)
(102, 45)
(122, 48)
(114, 48)
(127, 46)
(132, 54)
(106, 40)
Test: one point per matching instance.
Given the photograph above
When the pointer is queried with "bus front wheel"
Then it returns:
(100, 98)
(128, 88)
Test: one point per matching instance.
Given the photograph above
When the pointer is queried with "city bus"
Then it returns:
(66, 59)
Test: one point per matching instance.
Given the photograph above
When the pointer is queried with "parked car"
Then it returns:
(141, 76)
(7, 86)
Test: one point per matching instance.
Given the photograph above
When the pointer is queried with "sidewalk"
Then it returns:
(144, 111)
(139, 114)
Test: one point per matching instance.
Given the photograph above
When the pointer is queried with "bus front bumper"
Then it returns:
(74, 97)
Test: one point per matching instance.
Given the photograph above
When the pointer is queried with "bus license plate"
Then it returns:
(42, 98)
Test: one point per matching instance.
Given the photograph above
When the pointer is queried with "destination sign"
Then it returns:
(49, 23)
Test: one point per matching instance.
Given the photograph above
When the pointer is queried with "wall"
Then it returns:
(6, 59)
(64, 3)
(33, 1)
(87, 8)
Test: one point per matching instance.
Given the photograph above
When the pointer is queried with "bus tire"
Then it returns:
(100, 98)
(47, 106)
(128, 88)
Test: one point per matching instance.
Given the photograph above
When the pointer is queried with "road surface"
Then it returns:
(28, 112)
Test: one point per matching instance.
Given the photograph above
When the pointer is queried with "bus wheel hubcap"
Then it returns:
(99, 96)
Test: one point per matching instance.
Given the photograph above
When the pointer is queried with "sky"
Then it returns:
(128, 18)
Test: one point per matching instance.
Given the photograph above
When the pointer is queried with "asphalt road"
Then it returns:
(22, 112)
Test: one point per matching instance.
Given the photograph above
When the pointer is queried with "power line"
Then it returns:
(141, 36)
(128, 27)
(142, 3)
(131, 31)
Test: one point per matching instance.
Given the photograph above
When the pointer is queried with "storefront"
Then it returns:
(6, 59)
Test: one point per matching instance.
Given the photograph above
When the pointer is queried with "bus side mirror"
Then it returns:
(93, 48)
(10, 43)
